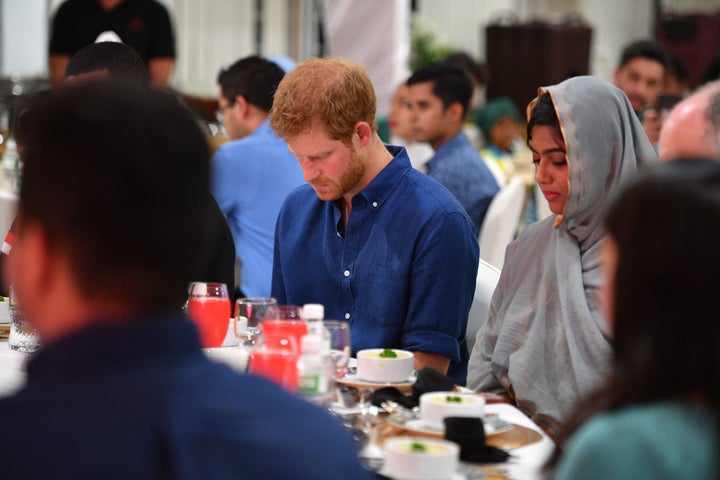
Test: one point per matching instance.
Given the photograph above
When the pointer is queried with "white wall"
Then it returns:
(23, 44)
(214, 33)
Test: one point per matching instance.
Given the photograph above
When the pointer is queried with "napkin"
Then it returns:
(469, 433)
(428, 380)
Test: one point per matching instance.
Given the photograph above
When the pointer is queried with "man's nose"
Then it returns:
(310, 170)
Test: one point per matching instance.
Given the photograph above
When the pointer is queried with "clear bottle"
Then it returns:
(313, 314)
(314, 383)
(11, 165)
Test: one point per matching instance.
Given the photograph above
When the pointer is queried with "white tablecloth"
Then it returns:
(12, 369)
(527, 462)
(8, 208)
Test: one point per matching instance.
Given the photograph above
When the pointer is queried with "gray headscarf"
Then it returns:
(545, 341)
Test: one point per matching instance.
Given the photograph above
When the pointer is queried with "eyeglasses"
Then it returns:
(220, 113)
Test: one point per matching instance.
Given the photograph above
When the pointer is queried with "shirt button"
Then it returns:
(347, 316)
(374, 204)
(346, 273)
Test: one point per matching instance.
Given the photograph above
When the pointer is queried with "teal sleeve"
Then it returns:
(609, 450)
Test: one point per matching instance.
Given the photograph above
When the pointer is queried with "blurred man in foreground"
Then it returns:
(122, 389)
(692, 130)
(378, 243)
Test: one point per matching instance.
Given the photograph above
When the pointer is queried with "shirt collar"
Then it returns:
(383, 184)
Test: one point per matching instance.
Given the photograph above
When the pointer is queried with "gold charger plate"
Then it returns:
(356, 382)
(514, 437)
(417, 427)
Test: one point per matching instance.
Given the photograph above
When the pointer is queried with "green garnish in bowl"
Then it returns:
(417, 447)
(453, 399)
(388, 353)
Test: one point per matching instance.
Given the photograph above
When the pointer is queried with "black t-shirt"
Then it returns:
(143, 25)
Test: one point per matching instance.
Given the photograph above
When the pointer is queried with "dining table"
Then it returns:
(12, 367)
(527, 444)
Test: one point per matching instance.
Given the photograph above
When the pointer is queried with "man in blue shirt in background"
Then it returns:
(440, 97)
(380, 244)
(252, 175)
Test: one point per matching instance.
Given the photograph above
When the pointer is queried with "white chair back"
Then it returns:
(501, 222)
(487, 279)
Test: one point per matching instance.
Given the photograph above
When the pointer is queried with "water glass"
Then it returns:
(23, 336)
(250, 312)
(339, 337)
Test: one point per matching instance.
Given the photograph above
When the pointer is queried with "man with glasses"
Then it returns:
(252, 174)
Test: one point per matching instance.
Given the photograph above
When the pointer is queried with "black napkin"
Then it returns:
(469, 433)
(428, 380)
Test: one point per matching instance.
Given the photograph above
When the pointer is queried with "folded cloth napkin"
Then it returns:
(469, 433)
(428, 380)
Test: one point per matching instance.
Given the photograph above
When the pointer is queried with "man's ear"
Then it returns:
(240, 107)
(455, 112)
(364, 133)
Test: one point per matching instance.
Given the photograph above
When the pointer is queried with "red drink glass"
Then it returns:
(209, 309)
(276, 360)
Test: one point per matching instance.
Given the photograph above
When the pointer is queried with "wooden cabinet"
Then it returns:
(521, 58)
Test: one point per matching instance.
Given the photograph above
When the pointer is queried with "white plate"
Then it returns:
(417, 426)
(454, 476)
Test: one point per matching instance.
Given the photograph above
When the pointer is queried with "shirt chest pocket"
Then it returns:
(387, 299)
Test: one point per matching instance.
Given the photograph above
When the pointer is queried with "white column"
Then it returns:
(374, 33)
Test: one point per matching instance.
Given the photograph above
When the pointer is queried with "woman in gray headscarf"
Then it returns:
(545, 342)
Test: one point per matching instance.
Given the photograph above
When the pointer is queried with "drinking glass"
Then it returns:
(275, 357)
(23, 336)
(252, 309)
(209, 308)
(284, 320)
(339, 345)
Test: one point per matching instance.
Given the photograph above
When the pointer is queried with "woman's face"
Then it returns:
(399, 114)
(503, 133)
(551, 168)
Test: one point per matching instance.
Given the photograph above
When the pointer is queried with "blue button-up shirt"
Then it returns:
(402, 273)
(458, 166)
